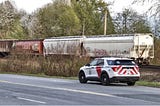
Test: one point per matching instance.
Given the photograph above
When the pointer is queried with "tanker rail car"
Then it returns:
(139, 47)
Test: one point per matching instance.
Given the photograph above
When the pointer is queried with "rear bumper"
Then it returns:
(124, 79)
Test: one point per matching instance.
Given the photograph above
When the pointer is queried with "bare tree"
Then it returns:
(155, 7)
(129, 21)
(154, 12)
(7, 17)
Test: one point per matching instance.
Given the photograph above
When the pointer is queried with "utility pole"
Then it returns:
(83, 29)
(105, 23)
(125, 23)
(83, 26)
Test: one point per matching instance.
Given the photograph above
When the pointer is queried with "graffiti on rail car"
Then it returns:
(102, 52)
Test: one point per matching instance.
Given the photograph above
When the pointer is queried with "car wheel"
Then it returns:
(131, 83)
(105, 79)
(82, 77)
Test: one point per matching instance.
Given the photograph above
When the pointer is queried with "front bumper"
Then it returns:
(124, 79)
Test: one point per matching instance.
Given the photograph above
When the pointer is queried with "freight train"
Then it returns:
(139, 47)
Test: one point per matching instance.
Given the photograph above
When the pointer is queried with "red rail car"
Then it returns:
(28, 47)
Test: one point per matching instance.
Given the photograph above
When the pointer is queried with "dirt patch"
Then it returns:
(150, 75)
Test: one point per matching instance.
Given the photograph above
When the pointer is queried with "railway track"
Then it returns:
(150, 68)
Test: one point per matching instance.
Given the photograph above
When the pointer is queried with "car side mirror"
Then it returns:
(87, 64)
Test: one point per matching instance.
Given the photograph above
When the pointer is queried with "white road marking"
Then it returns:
(31, 100)
(58, 88)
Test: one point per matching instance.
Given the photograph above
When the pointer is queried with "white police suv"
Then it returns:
(110, 70)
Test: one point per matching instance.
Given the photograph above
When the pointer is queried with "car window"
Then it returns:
(120, 62)
(100, 62)
(110, 62)
(94, 62)
(124, 62)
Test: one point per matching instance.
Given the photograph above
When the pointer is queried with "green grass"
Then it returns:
(149, 84)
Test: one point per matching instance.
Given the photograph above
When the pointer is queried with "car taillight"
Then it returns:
(116, 68)
(137, 68)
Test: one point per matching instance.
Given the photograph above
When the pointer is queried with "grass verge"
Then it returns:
(149, 84)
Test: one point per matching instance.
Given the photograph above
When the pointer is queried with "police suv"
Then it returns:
(110, 70)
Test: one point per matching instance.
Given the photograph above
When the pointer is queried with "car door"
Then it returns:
(100, 65)
(97, 68)
(89, 69)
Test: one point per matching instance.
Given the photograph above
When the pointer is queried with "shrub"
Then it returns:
(57, 65)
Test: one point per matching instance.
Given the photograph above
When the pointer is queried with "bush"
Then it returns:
(156, 59)
(57, 65)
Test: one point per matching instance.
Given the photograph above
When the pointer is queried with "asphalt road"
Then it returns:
(27, 90)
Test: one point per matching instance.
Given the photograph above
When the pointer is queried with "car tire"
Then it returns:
(82, 77)
(105, 79)
(131, 83)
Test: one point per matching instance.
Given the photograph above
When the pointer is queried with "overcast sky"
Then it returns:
(118, 6)
(30, 5)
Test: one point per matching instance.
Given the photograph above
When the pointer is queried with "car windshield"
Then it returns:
(120, 62)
